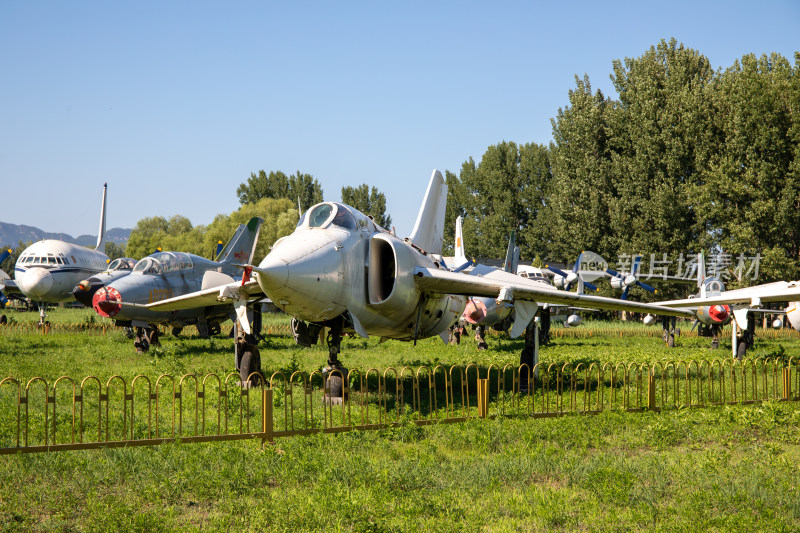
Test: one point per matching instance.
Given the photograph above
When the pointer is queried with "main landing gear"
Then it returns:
(745, 338)
(144, 338)
(248, 358)
(669, 330)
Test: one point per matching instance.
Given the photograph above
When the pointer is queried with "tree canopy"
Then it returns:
(369, 201)
(685, 159)
(302, 187)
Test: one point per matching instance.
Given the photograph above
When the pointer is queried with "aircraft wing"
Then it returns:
(781, 291)
(220, 295)
(499, 284)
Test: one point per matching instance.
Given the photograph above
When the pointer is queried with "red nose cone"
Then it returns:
(106, 301)
(719, 313)
(475, 311)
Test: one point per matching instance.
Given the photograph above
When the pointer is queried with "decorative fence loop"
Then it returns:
(35, 418)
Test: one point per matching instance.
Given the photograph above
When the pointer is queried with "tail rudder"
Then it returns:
(701, 269)
(509, 264)
(460, 255)
(241, 247)
(428, 232)
(101, 233)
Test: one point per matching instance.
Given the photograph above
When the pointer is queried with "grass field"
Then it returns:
(720, 468)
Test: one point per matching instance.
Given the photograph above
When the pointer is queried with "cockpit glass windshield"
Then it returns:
(319, 215)
(122, 263)
(302, 219)
(343, 218)
(163, 262)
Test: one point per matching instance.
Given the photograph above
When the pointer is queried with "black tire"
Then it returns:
(152, 337)
(741, 350)
(176, 331)
(3, 319)
(142, 345)
(671, 341)
(248, 364)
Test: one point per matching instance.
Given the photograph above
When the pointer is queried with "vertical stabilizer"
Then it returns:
(460, 255)
(701, 269)
(509, 265)
(242, 246)
(101, 233)
(428, 232)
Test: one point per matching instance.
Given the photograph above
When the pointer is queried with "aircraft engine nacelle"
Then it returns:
(617, 283)
(390, 279)
(714, 315)
(574, 320)
(649, 320)
(793, 315)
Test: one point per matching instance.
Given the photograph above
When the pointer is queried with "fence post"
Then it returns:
(483, 398)
(787, 383)
(651, 390)
(266, 416)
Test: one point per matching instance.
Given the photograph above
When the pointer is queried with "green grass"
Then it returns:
(720, 468)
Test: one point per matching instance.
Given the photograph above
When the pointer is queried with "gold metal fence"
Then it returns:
(39, 416)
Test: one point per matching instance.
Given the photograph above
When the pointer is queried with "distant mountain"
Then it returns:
(11, 234)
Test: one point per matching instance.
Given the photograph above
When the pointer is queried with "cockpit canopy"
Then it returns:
(122, 263)
(334, 214)
(164, 262)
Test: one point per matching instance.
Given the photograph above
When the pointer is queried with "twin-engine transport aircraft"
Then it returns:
(46, 271)
(164, 275)
(342, 271)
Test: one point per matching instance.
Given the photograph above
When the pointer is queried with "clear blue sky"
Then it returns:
(174, 104)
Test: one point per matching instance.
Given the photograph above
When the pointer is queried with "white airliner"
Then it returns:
(48, 270)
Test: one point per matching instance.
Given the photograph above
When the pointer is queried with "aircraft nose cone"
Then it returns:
(36, 283)
(304, 275)
(719, 313)
(273, 271)
(85, 290)
(106, 302)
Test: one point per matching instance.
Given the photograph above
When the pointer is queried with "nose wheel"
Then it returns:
(334, 374)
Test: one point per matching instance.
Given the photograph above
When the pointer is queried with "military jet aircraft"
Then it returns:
(165, 275)
(341, 270)
(118, 268)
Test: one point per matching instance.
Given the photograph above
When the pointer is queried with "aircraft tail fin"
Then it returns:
(701, 269)
(512, 256)
(428, 232)
(242, 245)
(101, 233)
(460, 256)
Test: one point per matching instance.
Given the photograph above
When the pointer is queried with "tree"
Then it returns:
(748, 193)
(114, 250)
(368, 201)
(503, 193)
(9, 263)
(278, 185)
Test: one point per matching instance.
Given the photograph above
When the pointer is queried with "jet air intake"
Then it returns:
(390, 280)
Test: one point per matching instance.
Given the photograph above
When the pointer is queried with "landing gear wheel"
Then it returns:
(153, 336)
(671, 341)
(741, 349)
(142, 345)
(250, 363)
(715, 344)
(176, 331)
